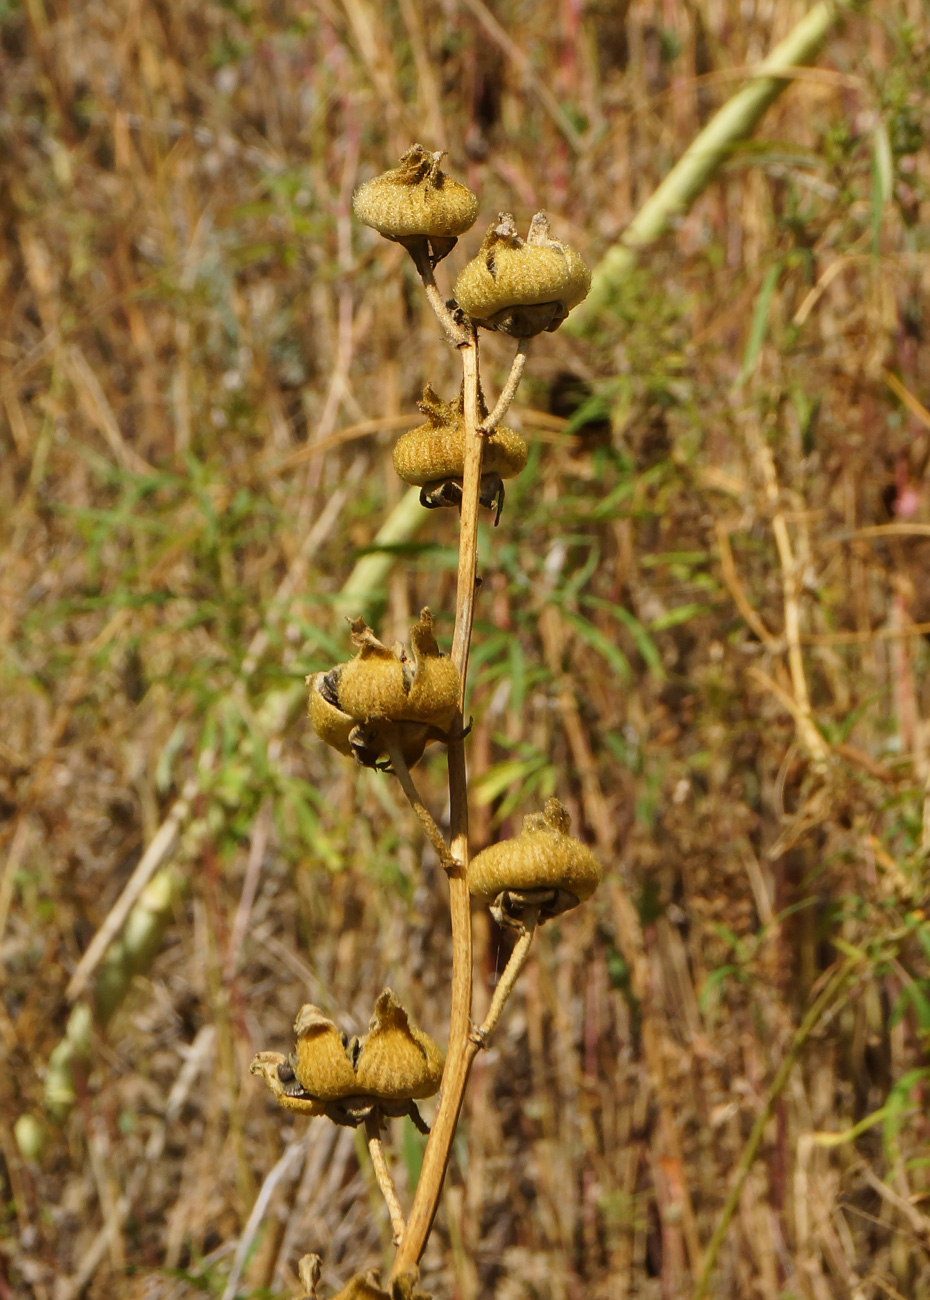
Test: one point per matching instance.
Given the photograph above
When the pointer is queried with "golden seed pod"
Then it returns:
(544, 863)
(372, 684)
(436, 450)
(328, 721)
(433, 697)
(321, 1062)
(522, 288)
(416, 199)
(397, 1061)
(276, 1070)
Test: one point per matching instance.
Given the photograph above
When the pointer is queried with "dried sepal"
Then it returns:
(416, 200)
(322, 1061)
(522, 288)
(386, 696)
(278, 1074)
(544, 870)
(397, 1061)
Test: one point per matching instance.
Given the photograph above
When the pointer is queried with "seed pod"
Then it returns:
(384, 697)
(433, 697)
(397, 1061)
(278, 1074)
(322, 1063)
(372, 684)
(436, 450)
(522, 288)
(544, 869)
(416, 200)
(326, 718)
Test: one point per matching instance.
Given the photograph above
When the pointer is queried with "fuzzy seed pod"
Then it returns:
(436, 450)
(279, 1076)
(522, 288)
(372, 684)
(321, 1062)
(386, 696)
(543, 868)
(326, 718)
(416, 200)
(397, 1061)
(433, 696)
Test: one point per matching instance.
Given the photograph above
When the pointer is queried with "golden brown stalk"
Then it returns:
(430, 829)
(461, 1050)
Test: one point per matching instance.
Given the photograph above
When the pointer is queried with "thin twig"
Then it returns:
(430, 829)
(832, 991)
(383, 1175)
(509, 391)
(506, 982)
(462, 1050)
(458, 335)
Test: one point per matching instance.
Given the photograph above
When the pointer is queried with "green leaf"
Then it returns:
(760, 323)
(596, 639)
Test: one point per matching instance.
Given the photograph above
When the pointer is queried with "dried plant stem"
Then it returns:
(430, 829)
(383, 1175)
(506, 984)
(834, 987)
(461, 1051)
(509, 391)
(458, 335)
(810, 738)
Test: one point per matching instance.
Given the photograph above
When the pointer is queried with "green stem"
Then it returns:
(734, 122)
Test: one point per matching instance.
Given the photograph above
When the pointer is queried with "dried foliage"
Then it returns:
(703, 626)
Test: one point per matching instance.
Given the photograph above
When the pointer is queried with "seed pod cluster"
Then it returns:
(394, 1065)
(522, 288)
(544, 870)
(432, 456)
(386, 695)
(416, 200)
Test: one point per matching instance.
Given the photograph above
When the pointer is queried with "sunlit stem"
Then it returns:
(424, 816)
(383, 1174)
(505, 985)
(458, 335)
(509, 391)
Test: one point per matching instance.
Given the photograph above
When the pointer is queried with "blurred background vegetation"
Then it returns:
(203, 364)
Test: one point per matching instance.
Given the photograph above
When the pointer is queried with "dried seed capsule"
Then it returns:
(522, 288)
(384, 697)
(322, 1062)
(435, 450)
(543, 869)
(279, 1076)
(372, 684)
(326, 718)
(416, 200)
(397, 1061)
(433, 697)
